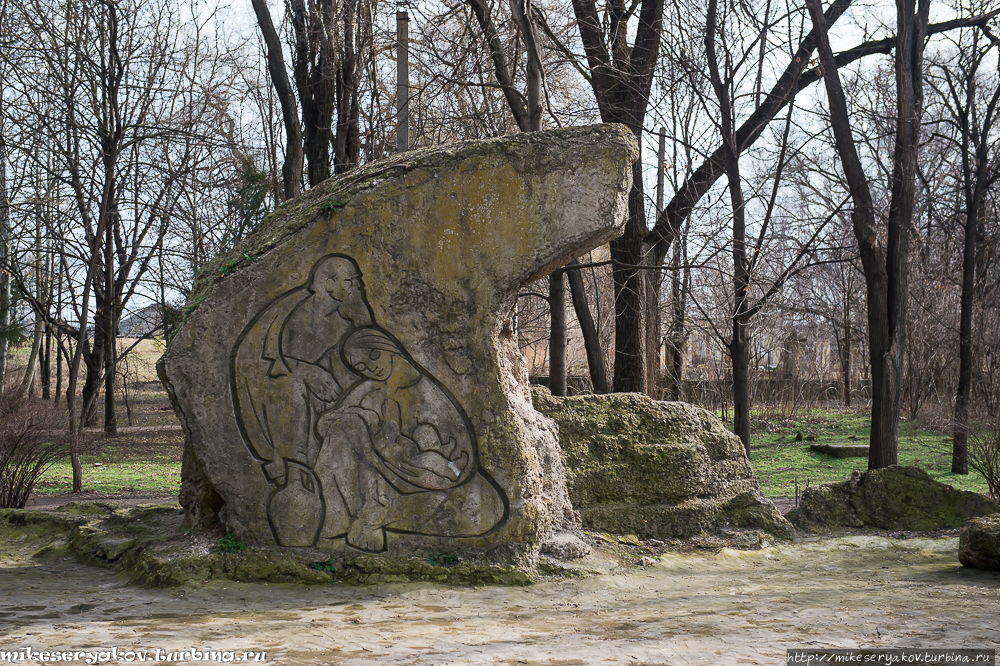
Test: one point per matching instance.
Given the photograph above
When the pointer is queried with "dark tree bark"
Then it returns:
(794, 79)
(291, 170)
(978, 173)
(621, 76)
(46, 365)
(591, 339)
(630, 334)
(739, 344)
(534, 74)
(885, 267)
(846, 351)
(680, 282)
(654, 282)
(347, 146)
(557, 336)
(503, 69)
(314, 66)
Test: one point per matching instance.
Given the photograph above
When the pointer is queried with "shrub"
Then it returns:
(30, 442)
(230, 544)
(984, 456)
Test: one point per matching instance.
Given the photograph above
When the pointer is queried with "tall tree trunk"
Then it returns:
(911, 22)
(739, 353)
(31, 371)
(534, 74)
(975, 175)
(886, 268)
(557, 337)
(845, 355)
(654, 280)
(630, 334)
(960, 455)
(347, 150)
(110, 327)
(739, 348)
(59, 343)
(591, 339)
(93, 359)
(317, 74)
(291, 170)
(4, 253)
(45, 372)
(621, 78)
(678, 335)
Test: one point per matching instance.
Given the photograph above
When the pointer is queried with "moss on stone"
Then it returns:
(894, 498)
(625, 448)
(329, 197)
(153, 546)
(655, 469)
(41, 522)
(979, 542)
(841, 450)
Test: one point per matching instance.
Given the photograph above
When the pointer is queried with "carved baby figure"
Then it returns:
(395, 433)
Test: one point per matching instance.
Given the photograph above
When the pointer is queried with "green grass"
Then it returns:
(146, 463)
(778, 459)
(151, 462)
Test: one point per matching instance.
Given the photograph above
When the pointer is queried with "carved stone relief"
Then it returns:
(353, 436)
(346, 376)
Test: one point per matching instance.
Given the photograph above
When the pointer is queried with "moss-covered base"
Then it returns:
(153, 546)
(894, 498)
(688, 519)
(979, 543)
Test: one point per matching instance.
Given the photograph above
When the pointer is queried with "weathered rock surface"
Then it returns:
(979, 542)
(151, 545)
(656, 469)
(894, 498)
(841, 450)
(345, 377)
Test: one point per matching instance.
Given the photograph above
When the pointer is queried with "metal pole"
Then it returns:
(402, 81)
(659, 170)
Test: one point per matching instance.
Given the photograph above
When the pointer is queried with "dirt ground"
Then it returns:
(729, 607)
(51, 501)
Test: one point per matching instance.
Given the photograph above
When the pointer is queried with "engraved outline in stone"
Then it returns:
(262, 417)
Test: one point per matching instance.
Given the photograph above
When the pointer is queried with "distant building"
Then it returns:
(142, 323)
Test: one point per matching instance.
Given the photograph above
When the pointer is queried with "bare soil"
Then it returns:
(728, 607)
(52, 501)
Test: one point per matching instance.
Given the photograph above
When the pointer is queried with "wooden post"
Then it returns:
(402, 81)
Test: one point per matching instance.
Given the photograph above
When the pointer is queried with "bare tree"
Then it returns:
(970, 102)
(885, 262)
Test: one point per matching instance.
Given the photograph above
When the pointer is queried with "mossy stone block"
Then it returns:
(979, 542)
(893, 498)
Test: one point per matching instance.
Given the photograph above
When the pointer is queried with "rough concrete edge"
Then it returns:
(327, 197)
(202, 506)
(109, 537)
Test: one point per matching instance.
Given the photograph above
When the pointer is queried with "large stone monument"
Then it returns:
(347, 378)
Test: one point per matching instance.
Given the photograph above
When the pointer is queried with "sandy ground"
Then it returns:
(724, 608)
